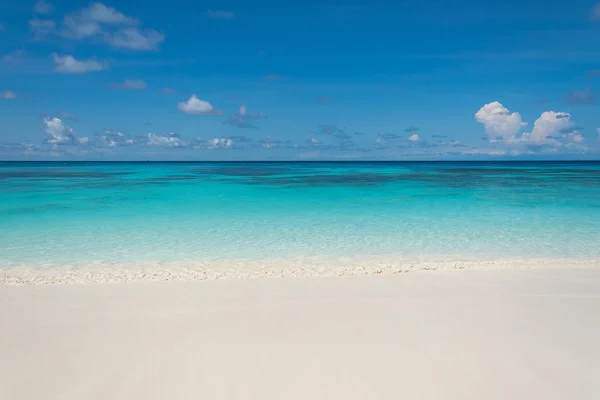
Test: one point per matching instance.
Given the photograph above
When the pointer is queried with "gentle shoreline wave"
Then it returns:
(312, 267)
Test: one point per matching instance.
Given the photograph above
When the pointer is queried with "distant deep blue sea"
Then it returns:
(81, 214)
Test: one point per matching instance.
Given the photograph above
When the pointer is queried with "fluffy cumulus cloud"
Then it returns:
(171, 140)
(133, 84)
(546, 128)
(414, 138)
(220, 143)
(101, 23)
(551, 132)
(196, 106)
(69, 65)
(60, 134)
(498, 121)
(8, 95)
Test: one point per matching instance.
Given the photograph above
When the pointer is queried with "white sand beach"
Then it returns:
(469, 334)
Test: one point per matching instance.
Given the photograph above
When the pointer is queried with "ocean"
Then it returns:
(84, 217)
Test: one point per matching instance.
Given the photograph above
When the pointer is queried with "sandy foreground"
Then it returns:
(497, 334)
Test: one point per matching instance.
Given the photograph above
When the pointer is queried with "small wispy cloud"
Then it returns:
(239, 122)
(137, 39)
(327, 130)
(43, 7)
(67, 115)
(8, 95)
(273, 77)
(111, 138)
(14, 58)
(411, 129)
(219, 14)
(325, 100)
(242, 118)
(585, 96)
(102, 24)
(130, 84)
(388, 135)
(42, 27)
(167, 91)
(69, 65)
(595, 12)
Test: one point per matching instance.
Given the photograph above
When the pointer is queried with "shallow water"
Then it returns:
(81, 214)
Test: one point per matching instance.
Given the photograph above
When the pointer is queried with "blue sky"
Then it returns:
(194, 80)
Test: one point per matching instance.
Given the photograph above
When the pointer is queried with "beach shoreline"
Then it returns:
(495, 334)
(301, 267)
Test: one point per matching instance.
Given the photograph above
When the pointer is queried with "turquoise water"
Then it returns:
(85, 213)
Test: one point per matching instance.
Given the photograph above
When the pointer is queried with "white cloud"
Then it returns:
(575, 137)
(8, 95)
(42, 7)
(136, 39)
(243, 110)
(196, 106)
(220, 143)
(595, 14)
(89, 21)
(130, 84)
(585, 96)
(219, 14)
(60, 134)
(106, 15)
(548, 125)
(110, 138)
(74, 28)
(214, 143)
(111, 26)
(499, 121)
(67, 115)
(69, 65)
(42, 27)
(414, 138)
(13, 58)
(598, 131)
(170, 140)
